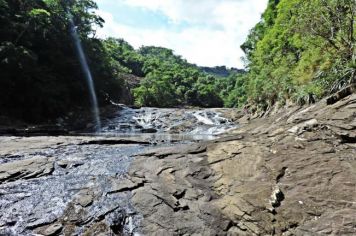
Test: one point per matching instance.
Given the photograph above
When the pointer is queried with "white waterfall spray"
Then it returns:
(87, 74)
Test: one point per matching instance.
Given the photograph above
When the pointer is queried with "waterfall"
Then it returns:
(87, 74)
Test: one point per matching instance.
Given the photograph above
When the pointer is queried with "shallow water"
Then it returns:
(183, 124)
(26, 204)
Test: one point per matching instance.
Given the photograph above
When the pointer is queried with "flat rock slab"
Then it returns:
(26, 169)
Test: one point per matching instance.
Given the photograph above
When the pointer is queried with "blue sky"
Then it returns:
(205, 32)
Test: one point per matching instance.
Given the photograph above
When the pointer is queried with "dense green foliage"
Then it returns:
(124, 56)
(171, 81)
(41, 77)
(168, 80)
(301, 51)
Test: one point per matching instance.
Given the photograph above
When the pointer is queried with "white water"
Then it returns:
(145, 120)
(203, 118)
(87, 74)
(200, 123)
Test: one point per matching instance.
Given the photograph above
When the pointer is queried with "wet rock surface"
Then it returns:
(172, 121)
(64, 185)
(292, 172)
(26, 169)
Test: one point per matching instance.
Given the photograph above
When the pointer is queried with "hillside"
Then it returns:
(221, 71)
(300, 51)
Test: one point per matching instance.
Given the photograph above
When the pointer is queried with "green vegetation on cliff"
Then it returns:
(301, 50)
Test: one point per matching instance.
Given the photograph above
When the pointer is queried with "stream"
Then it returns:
(78, 185)
(186, 124)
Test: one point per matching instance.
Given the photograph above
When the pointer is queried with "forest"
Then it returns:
(166, 75)
(300, 52)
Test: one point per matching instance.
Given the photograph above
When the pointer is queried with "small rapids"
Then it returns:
(193, 124)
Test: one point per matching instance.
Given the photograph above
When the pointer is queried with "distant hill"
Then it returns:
(221, 71)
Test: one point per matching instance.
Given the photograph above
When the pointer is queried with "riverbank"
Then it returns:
(292, 172)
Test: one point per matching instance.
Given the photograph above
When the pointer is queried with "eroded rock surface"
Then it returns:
(292, 173)
(176, 196)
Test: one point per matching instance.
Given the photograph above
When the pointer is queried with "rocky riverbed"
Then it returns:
(67, 185)
(292, 172)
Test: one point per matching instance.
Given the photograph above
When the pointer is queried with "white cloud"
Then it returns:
(216, 29)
